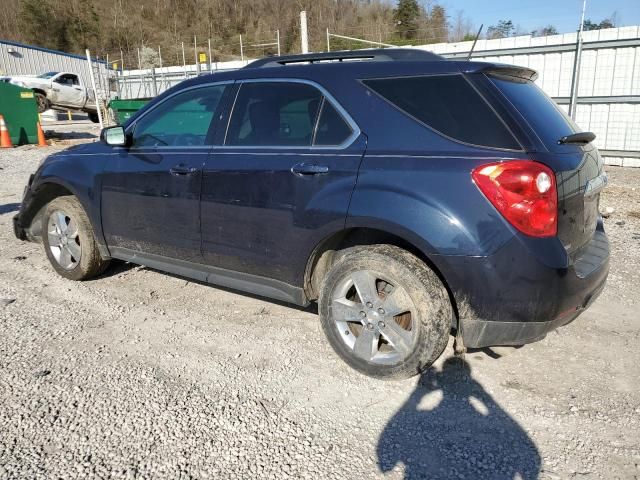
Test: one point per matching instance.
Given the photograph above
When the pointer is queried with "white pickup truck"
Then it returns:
(58, 91)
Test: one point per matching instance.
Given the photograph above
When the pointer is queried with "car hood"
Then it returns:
(27, 79)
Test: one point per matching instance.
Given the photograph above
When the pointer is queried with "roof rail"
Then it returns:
(374, 54)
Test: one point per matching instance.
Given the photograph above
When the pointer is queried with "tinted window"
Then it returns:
(448, 104)
(274, 114)
(182, 120)
(544, 116)
(67, 80)
(332, 128)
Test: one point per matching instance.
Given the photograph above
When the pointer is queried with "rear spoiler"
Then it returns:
(511, 72)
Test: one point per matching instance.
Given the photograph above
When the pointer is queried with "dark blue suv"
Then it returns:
(409, 195)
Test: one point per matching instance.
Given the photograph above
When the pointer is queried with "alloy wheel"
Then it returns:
(64, 240)
(375, 317)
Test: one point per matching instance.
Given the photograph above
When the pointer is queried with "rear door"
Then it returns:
(281, 181)
(151, 191)
(579, 168)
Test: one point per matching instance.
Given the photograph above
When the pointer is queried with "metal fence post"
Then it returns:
(210, 58)
(575, 78)
(184, 62)
(195, 53)
(93, 85)
(153, 81)
(143, 82)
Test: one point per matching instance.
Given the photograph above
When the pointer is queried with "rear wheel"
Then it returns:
(384, 312)
(93, 116)
(69, 241)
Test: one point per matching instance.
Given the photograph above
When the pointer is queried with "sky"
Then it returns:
(531, 14)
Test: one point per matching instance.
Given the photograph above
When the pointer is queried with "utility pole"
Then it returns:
(575, 80)
(278, 40)
(304, 37)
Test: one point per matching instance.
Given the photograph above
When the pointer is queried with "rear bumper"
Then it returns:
(485, 333)
(512, 298)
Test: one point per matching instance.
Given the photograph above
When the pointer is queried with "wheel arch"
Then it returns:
(40, 90)
(325, 255)
(43, 194)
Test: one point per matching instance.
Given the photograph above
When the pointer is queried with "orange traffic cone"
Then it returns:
(5, 139)
(41, 141)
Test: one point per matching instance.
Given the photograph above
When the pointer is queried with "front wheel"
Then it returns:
(69, 241)
(42, 102)
(384, 312)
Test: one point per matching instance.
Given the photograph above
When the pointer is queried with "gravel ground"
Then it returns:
(144, 375)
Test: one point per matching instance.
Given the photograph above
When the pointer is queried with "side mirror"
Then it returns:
(114, 136)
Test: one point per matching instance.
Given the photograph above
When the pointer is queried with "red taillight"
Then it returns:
(524, 192)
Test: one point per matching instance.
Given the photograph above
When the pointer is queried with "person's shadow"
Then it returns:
(451, 428)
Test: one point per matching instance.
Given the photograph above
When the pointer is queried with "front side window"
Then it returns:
(183, 120)
(449, 105)
(68, 80)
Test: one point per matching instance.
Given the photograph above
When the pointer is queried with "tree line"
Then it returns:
(114, 26)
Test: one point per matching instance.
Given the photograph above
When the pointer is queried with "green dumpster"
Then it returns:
(18, 107)
(124, 109)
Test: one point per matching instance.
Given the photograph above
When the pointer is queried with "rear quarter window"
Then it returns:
(449, 105)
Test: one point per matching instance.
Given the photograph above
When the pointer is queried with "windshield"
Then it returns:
(545, 117)
(48, 75)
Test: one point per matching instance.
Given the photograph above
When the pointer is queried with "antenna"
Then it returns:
(474, 41)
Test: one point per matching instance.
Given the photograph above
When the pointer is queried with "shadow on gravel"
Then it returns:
(450, 427)
(9, 207)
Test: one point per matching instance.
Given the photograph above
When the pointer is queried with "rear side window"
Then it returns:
(274, 114)
(543, 115)
(285, 114)
(449, 105)
(332, 128)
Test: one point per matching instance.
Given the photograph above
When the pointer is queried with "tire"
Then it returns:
(398, 342)
(66, 235)
(42, 102)
(93, 116)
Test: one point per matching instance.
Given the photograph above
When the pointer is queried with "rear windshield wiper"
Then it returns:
(581, 138)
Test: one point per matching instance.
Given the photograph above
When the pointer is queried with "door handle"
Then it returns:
(309, 169)
(181, 170)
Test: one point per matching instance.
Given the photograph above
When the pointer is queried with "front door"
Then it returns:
(151, 190)
(67, 91)
(281, 182)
